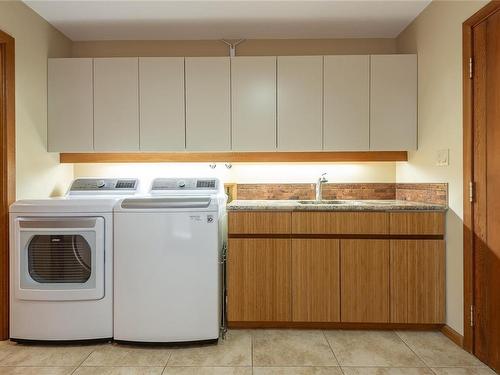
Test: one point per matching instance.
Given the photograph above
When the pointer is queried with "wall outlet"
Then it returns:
(443, 157)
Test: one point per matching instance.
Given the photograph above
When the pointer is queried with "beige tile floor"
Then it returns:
(257, 352)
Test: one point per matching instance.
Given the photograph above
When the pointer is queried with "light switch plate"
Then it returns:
(443, 157)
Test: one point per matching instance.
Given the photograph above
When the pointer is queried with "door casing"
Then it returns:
(7, 170)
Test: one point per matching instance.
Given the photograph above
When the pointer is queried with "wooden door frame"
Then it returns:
(468, 167)
(7, 169)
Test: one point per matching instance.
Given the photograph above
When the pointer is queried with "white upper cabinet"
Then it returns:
(208, 104)
(116, 104)
(250, 103)
(70, 106)
(300, 103)
(346, 109)
(253, 89)
(161, 89)
(393, 102)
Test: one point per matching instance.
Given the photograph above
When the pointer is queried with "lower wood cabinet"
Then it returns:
(315, 280)
(417, 281)
(259, 279)
(277, 274)
(364, 268)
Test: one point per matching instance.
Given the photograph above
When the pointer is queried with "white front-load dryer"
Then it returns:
(61, 263)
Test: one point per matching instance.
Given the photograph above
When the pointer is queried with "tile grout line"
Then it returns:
(331, 349)
(413, 351)
(166, 363)
(251, 349)
(82, 362)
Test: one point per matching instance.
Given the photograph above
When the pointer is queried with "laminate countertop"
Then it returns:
(332, 205)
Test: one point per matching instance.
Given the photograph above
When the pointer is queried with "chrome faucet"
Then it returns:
(319, 186)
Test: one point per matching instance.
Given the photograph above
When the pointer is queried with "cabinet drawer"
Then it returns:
(340, 222)
(259, 222)
(415, 223)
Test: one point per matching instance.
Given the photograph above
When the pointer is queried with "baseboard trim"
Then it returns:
(453, 335)
(336, 325)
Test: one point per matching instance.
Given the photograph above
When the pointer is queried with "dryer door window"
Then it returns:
(65, 258)
(59, 259)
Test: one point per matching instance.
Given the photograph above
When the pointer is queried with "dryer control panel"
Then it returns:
(110, 185)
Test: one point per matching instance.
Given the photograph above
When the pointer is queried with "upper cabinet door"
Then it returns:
(253, 89)
(346, 103)
(161, 88)
(300, 103)
(393, 102)
(116, 104)
(70, 107)
(208, 104)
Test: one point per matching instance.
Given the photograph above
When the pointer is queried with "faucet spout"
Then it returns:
(319, 186)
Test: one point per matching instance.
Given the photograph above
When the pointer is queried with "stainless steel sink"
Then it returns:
(326, 202)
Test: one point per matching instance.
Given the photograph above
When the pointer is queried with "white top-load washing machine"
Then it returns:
(168, 253)
(61, 268)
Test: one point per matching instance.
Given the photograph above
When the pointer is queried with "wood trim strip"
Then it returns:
(468, 176)
(7, 169)
(339, 236)
(468, 166)
(453, 335)
(482, 13)
(335, 325)
(242, 157)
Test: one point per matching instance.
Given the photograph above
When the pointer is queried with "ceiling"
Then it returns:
(210, 19)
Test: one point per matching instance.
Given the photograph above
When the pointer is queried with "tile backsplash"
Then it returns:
(429, 193)
(422, 192)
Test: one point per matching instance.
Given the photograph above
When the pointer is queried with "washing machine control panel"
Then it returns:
(103, 184)
(167, 184)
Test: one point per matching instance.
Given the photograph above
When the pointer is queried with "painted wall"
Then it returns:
(38, 173)
(369, 172)
(436, 36)
(245, 172)
(255, 47)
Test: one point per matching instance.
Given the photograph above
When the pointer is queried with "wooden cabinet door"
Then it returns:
(346, 100)
(393, 102)
(259, 280)
(208, 104)
(116, 104)
(253, 91)
(161, 83)
(417, 281)
(315, 280)
(364, 269)
(300, 103)
(70, 105)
